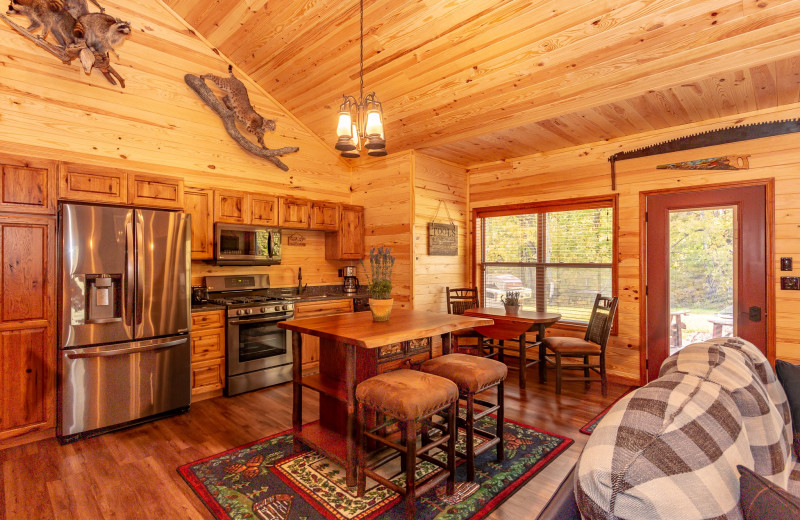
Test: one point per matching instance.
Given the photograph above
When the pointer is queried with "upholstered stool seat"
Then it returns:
(407, 397)
(473, 375)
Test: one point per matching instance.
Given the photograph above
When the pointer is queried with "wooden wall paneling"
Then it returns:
(199, 203)
(231, 206)
(155, 191)
(27, 325)
(91, 183)
(27, 185)
(436, 181)
(293, 213)
(263, 209)
(584, 171)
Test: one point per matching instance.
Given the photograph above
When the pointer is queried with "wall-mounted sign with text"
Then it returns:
(442, 239)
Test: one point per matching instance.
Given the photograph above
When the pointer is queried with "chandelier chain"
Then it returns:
(361, 74)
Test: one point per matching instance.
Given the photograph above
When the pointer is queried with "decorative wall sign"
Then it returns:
(726, 162)
(235, 106)
(442, 238)
(80, 34)
(296, 240)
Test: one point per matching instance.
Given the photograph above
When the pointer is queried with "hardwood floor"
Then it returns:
(131, 474)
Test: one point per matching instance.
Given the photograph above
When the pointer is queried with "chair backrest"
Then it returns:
(461, 299)
(601, 320)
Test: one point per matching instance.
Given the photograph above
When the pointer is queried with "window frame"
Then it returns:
(478, 266)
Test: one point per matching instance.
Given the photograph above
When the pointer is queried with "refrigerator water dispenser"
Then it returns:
(103, 298)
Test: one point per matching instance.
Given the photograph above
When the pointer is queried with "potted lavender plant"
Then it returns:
(379, 277)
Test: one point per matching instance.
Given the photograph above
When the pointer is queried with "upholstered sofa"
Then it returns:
(671, 448)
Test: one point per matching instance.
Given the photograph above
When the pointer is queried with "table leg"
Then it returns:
(446, 339)
(350, 384)
(542, 363)
(523, 360)
(297, 388)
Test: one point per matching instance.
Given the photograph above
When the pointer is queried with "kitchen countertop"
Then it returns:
(310, 294)
(205, 307)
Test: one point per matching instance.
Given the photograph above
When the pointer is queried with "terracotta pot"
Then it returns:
(512, 309)
(381, 309)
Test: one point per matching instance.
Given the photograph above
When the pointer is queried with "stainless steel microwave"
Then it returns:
(238, 244)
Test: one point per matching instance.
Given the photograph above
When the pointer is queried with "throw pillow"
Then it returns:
(760, 499)
(789, 376)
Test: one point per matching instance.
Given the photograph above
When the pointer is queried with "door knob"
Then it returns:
(755, 313)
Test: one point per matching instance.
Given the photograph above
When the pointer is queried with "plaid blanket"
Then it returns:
(670, 449)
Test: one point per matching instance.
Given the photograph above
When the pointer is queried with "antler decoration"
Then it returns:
(228, 117)
(89, 58)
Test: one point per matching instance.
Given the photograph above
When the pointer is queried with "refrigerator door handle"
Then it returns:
(140, 252)
(130, 278)
(77, 354)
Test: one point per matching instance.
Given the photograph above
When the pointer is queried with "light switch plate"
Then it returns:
(786, 263)
(790, 283)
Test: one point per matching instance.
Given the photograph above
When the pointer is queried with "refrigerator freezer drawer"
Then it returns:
(113, 384)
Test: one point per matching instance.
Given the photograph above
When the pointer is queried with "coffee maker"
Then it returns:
(350, 280)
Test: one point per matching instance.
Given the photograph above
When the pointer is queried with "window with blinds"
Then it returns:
(557, 256)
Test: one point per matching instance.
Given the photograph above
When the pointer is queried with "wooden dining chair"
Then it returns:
(458, 300)
(593, 345)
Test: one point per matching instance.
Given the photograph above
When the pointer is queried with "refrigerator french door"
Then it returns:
(124, 316)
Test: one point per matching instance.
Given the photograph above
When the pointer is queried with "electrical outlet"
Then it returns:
(790, 283)
(786, 263)
(340, 273)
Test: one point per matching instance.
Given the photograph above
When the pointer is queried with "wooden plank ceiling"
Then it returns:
(474, 81)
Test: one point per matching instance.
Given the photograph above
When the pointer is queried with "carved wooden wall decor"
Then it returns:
(726, 162)
(235, 106)
(79, 33)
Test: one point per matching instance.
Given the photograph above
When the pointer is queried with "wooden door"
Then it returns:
(324, 216)
(27, 185)
(293, 213)
(231, 206)
(199, 203)
(155, 191)
(27, 325)
(263, 209)
(749, 284)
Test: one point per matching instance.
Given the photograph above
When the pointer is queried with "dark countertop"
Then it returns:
(205, 307)
(310, 294)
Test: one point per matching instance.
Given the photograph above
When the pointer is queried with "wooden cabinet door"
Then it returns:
(208, 375)
(263, 210)
(199, 203)
(27, 321)
(348, 242)
(324, 216)
(92, 184)
(27, 185)
(155, 191)
(293, 213)
(231, 206)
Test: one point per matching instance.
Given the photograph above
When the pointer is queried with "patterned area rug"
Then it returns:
(265, 480)
(589, 427)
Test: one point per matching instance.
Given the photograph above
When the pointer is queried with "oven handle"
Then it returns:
(237, 321)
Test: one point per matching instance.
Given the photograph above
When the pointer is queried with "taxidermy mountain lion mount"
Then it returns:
(235, 106)
(78, 33)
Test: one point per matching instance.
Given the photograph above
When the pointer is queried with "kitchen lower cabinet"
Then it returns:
(27, 325)
(312, 310)
(208, 353)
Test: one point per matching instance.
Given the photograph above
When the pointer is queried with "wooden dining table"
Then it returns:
(516, 326)
(353, 348)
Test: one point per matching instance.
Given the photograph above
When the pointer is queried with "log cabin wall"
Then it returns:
(436, 180)
(584, 171)
(157, 124)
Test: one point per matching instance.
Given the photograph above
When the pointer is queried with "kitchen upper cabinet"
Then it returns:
(348, 242)
(92, 184)
(155, 191)
(231, 206)
(293, 213)
(324, 216)
(199, 203)
(27, 185)
(27, 325)
(263, 209)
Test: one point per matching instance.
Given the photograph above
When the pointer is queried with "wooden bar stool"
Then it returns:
(474, 375)
(407, 397)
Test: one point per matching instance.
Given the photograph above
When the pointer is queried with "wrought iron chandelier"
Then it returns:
(361, 121)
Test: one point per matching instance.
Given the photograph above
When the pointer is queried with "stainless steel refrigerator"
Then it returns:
(124, 316)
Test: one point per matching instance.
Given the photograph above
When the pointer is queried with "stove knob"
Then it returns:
(248, 311)
(264, 309)
(277, 308)
(285, 308)
(239, 312)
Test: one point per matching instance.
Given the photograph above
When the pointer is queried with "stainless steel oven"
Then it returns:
(259, 354)
(237, 244)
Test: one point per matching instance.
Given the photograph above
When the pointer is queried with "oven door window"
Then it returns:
(260, 341)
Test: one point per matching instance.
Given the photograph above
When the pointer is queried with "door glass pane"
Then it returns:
(701, 274)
